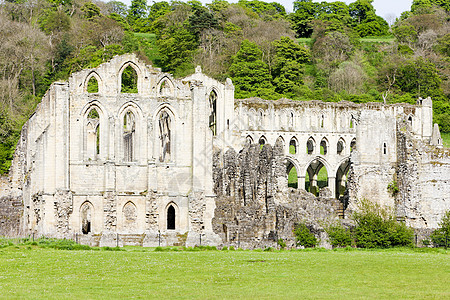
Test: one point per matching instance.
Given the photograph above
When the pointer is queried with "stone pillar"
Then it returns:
(301, 180)
(332, 185)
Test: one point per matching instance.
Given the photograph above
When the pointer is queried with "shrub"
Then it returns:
(377, 228)
(281, 243)
(304, 236)
(224, 248)
(441, 236)
(339, 236)
(231, 248)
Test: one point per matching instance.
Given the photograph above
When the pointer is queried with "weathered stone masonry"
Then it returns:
(182, 161)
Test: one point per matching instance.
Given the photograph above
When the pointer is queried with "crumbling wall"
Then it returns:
(254, 206)
(11, 209)
(423, 179)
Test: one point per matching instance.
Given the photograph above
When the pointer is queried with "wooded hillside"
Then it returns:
(321, 51)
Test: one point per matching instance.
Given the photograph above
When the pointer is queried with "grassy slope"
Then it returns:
(47, 273)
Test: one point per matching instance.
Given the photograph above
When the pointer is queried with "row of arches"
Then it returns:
(318, 175)
(288, 119)
(130, 78)
(310, 145)
(129, 217)
(129, 118)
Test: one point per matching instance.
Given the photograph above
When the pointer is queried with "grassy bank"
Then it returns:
(33, 272)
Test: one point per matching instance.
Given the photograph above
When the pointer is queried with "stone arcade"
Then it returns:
(181, 162)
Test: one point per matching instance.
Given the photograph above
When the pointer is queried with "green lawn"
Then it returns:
(446, 139)
(141, 273)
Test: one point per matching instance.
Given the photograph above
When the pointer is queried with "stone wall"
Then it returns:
(11, 209)
(423, 179)
(254, 206)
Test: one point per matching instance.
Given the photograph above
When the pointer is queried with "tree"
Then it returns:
(137, 14)
(202, 19)
(177, 47)
(288, 68)
(250, 75)
(304, 12)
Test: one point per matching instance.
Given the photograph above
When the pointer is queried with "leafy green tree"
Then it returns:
(118, 8)
(288, 69)
(137, 14)
(265, 10)
(177, 47)
(202, 19)
(158, 9)
(250, 75)
(305, 11)
(419, 77)
(90, 10)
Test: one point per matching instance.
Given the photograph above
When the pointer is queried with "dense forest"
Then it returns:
(321, 51)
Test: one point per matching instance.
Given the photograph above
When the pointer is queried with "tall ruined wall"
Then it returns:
(254, 206)
(423, 179)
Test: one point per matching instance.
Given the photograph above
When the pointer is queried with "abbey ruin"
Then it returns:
(182, 162)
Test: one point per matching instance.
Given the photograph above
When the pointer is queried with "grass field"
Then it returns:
(30, 272)
(446, 139)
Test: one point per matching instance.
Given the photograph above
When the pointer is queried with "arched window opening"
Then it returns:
(97, 144)
(384, 148)
(323, 147)
(213, 113)
(93, 134)
(249, 140)
(341, 186)
(351, 123)
(310, 146)
(165, 88)
(340, 147)
(86, 211)
(129, 128)
(262, 142)
(292, 175)
(410, 120)
(129, 216)
(92, 86)
(171, 218)
(291, 119)
(129, 80)
(165, 136)
(316, 177)
(292, 147)
(260, 119)
(353, 145)
(322, 121)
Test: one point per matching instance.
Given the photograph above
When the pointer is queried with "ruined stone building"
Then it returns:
(181, 162)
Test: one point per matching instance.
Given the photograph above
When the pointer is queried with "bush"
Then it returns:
(281, 243)
(441, 236)
(304, 236)
(377, 228)
(339, 236)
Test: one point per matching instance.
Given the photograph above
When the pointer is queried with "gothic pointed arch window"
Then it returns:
(213, 112)
(129, 216)
(129, 80)
(171, 217)
(93, 134)
(165, 136)
(129, 132)
(86, 212)
(92, 85)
